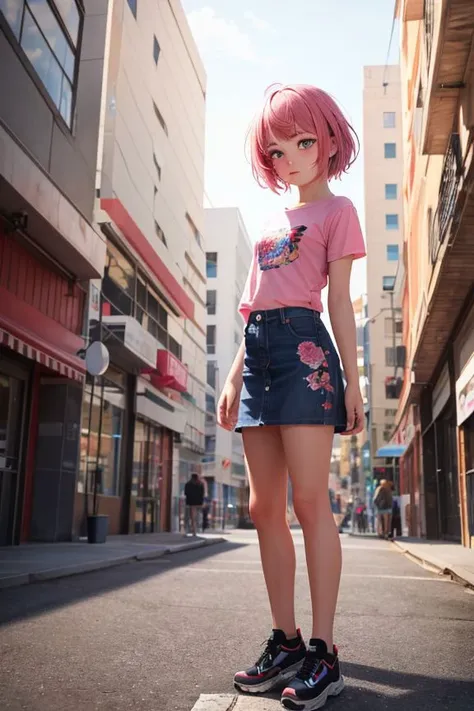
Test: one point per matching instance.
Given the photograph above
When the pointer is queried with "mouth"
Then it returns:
(294, 172)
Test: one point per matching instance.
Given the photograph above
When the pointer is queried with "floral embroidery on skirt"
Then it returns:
(314, 357)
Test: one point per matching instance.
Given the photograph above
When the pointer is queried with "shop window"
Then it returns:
(48, 33)
(211, 264)
(102, 410)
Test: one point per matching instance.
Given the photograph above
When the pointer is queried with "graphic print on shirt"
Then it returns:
(280, 248)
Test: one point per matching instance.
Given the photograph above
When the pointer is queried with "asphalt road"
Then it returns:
(155, 635)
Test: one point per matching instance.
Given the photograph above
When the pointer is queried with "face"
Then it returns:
(295, 160)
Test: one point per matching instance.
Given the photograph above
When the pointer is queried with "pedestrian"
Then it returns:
(194, 493)
(383, 500)
(396, 522)
(285, 391)
(361, 518)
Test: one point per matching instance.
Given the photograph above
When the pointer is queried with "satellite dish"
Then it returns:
(97, 358)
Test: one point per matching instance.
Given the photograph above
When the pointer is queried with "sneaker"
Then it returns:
(319, 677)
(279, 662)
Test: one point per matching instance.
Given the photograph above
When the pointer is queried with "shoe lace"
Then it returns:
(310, 664)
(268, 653)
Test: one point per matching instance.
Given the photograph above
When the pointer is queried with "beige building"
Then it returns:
(435, 420)
(229, 253)
(383, 182)
(150, 186)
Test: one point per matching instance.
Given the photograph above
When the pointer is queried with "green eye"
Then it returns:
(306, 143)
(276, 154)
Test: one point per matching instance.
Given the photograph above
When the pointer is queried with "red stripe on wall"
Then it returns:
(139, 242)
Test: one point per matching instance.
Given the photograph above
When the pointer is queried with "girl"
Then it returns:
(285, 391)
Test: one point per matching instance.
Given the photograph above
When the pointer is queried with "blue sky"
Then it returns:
(247, 47)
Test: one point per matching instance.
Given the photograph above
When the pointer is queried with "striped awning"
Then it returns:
(34, 353)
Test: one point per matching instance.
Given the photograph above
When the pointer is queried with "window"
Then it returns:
(133, 7)
(390, 150)
(211, 339)
(390, 356)
(49, 40)
(156, 50)
(211, 373)
(390, 413)
(388, 283)
(211, 302)
(194, 229)
(388, 327)
(389, 119)
(392, 252)
(211, 264)
(160, 118)
(391, 222)
(391, 191)
(157, 166)
(160, 234)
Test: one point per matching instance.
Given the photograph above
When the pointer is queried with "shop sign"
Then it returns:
(94, 300)
(465, 392)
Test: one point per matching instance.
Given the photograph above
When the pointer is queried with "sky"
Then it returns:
(322, 42)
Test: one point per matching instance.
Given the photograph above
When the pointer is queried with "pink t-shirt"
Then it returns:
(290, 260)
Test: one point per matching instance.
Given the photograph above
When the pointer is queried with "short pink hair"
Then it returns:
(304, 108)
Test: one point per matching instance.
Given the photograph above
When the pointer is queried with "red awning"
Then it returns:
(40, 355)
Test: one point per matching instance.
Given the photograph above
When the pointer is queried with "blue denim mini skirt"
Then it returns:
(292, 373)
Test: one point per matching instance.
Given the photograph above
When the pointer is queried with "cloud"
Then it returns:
(259, 24)
(221, 35)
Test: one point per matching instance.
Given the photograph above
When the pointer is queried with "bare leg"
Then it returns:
(387, 524)
(193, 520)
(268, 500)
(308, 454)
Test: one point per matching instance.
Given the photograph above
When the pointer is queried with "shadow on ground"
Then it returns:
(36, 599)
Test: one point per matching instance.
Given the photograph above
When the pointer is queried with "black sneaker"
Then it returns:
(278, 663)
(319, 677)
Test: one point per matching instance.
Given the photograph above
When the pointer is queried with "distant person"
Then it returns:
(383, 502)
(194, 493)
(396, 524)
(361, 518)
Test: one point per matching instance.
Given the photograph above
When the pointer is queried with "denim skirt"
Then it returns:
(292, 373)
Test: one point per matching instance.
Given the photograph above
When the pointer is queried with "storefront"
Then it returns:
(410, 488)
(465, 418)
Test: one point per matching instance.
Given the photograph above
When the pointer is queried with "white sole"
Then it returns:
(333, 689)
(287, 675)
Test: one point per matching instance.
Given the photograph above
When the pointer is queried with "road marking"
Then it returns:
(200, 569)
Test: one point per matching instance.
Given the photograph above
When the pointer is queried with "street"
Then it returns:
(155, 635)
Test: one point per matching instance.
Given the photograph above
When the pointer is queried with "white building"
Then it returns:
(150, 208)
(229, 253)
(383, 183)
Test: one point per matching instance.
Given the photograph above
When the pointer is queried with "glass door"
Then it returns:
(11, 410)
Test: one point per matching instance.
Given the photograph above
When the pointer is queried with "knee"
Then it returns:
(264, 512)
(308, 508)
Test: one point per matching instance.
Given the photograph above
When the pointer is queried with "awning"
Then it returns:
(40, 355)
(391, 450)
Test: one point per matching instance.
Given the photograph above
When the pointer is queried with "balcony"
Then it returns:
(452, 257)
(413, 10)
(448, 33)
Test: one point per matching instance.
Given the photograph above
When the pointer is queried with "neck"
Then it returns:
(317, 190)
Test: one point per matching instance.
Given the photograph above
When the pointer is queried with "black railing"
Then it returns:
(447, 196)
(428, 21)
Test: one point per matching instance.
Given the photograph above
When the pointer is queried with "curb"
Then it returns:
(14, 581)
(459, 574)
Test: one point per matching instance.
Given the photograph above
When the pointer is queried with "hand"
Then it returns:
(354, 409)
(228, 406)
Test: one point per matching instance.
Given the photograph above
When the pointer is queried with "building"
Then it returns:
(52, 58)
(143, 421)
(435, 419)
(383, 182)
(229, 254)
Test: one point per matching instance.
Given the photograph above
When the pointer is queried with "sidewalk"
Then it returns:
(32, 562)
(231, 702)
(447, 558)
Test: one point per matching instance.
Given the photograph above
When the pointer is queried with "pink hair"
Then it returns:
(301, 108)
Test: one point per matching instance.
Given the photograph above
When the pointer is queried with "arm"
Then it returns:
(228, 406)
(341, 314)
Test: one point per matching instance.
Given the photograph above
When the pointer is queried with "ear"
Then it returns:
(332, 147)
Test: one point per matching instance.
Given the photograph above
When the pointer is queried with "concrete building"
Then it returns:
(229, 254)
(435, 419)
(383, 183)
(143, 423)
(52, 60)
